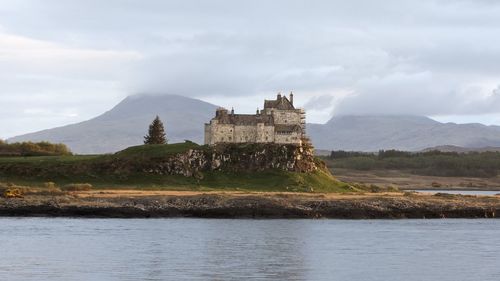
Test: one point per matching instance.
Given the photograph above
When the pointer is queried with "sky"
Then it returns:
(65, 61)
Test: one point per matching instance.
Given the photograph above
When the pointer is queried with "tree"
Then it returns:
(156, 133)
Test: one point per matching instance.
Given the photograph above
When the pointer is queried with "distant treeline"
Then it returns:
(435, 163)
(33, 149)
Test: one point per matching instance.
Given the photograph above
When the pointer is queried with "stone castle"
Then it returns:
(279, 122)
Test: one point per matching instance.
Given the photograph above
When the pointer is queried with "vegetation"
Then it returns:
(432, 163)
(33, 149)
(126, 169)
(156, 133)
(156, 150)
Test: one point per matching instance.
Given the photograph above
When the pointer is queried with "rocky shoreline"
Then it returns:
(115, 204)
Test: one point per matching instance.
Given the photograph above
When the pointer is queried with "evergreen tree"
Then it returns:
(156, 133)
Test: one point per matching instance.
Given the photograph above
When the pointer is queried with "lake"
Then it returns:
(462, 192)
(211, 249)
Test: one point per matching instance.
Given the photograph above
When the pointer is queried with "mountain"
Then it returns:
(412, 133)
(127, 123)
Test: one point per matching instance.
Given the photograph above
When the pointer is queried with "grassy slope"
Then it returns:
(273, 180)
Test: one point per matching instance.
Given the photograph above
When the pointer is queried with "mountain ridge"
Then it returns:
(402, 132)
(126, 123)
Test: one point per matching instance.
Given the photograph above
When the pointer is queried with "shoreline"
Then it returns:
(169, 204)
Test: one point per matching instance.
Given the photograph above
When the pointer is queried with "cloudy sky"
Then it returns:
(67, 61)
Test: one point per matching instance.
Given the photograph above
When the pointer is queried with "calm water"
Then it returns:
(209, 249)
(463, 192)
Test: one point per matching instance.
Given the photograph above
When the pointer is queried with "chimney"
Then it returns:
(279, 96)
(291, 98)
(258, 111)
(232, 111)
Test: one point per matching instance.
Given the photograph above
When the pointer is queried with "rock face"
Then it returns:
(235, 158)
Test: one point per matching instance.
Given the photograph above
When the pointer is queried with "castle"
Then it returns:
(279, 122)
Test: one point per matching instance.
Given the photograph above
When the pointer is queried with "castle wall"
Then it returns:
(208, 134)
(286, 117)
(265, 133)
(245, 134)
(220, 133)
(291, 138)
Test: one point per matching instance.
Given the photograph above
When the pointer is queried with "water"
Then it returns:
(462, 192)
(209, 249)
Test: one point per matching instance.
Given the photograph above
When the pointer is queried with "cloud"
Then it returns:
(340, 57)
(49, 82)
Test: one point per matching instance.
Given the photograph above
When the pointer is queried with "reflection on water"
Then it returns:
(208, 249)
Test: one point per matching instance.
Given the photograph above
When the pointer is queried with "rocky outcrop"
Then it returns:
(235, 158)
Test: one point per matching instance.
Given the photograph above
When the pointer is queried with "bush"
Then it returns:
(77, 187)
(33, 149)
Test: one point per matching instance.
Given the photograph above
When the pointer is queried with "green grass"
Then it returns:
(156, 150)
(274, 180)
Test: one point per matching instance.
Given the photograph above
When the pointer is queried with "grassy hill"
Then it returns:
(124, 170)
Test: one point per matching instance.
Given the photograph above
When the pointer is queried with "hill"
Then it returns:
(182, 166)
(127, 123)
(409, 133)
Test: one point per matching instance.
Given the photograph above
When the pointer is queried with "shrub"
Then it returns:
(33, 149)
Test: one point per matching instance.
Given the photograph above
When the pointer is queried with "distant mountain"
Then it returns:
(127, 123)
(412, 133)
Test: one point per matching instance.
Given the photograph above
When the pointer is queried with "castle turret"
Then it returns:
(220, 111)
